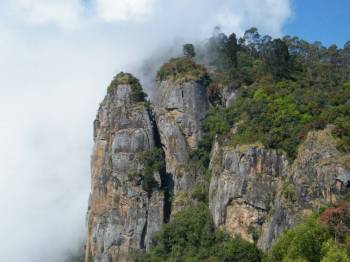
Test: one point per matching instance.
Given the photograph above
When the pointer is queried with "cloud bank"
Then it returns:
(124, 10)
(57, 58)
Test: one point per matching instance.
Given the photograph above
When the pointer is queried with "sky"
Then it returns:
(57, 58)
(320, 20)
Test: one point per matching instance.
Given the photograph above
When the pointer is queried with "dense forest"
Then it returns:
(285, 87)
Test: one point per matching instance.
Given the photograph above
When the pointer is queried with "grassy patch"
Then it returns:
(181, 70)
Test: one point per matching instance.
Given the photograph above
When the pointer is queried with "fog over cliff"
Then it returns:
(56, 59)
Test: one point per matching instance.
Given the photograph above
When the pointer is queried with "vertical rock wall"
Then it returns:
(122, 216)
(256, 193)
(180, 110)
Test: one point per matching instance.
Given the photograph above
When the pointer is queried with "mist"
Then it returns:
(57, 59)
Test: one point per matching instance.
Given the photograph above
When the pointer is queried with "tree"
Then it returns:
(215, 48)
(276, 58)
(338, 220)
(231, 48)
(188, 50)
(302, 242)
(334, 253)
(252, 40)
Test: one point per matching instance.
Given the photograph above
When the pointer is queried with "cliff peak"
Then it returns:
(136, 93)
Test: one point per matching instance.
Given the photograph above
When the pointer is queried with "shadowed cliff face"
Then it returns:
(256, 193)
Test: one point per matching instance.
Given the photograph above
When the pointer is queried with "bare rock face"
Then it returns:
(319, 176)
(229, 94)
(256, 193)
(122, 216)
(243, 187)
(172, 139)
(180, 110)
(186, 105)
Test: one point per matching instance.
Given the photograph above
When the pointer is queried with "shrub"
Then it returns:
(153, 161)
(201, 193)
(338, 220)
(237, 249)
(189, 231)
(254, 233)
(288, 192)
(183, 69)
(313, 240)
(190, 236)
(302, 242)
(332, 252)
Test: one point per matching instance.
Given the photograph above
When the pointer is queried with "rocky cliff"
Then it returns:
(122, 215)
(254, 191)
(180, 110)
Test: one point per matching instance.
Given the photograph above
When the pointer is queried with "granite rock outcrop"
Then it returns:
(122, 216)
(257, 193)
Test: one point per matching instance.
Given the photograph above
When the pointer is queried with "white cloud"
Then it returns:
(63, 13)
(49, 94)
(124, 10)
(51, 84)
(267, 15)
(232, 15)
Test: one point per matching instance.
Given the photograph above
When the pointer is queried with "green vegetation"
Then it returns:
(188, 51)
(153, 161)
(254, 233)
(136, 94)
(317, 239)
(190, 236)
(288, 192)
(200, 193)
(285, 88)
(216, 123)
(183, 69)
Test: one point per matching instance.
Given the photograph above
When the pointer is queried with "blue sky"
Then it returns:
(320, 20)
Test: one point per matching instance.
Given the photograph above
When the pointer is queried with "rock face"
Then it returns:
(185, 105)
(243, 187)
(229, 94)
(256, 193)
(179, 110)
(122, 216)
